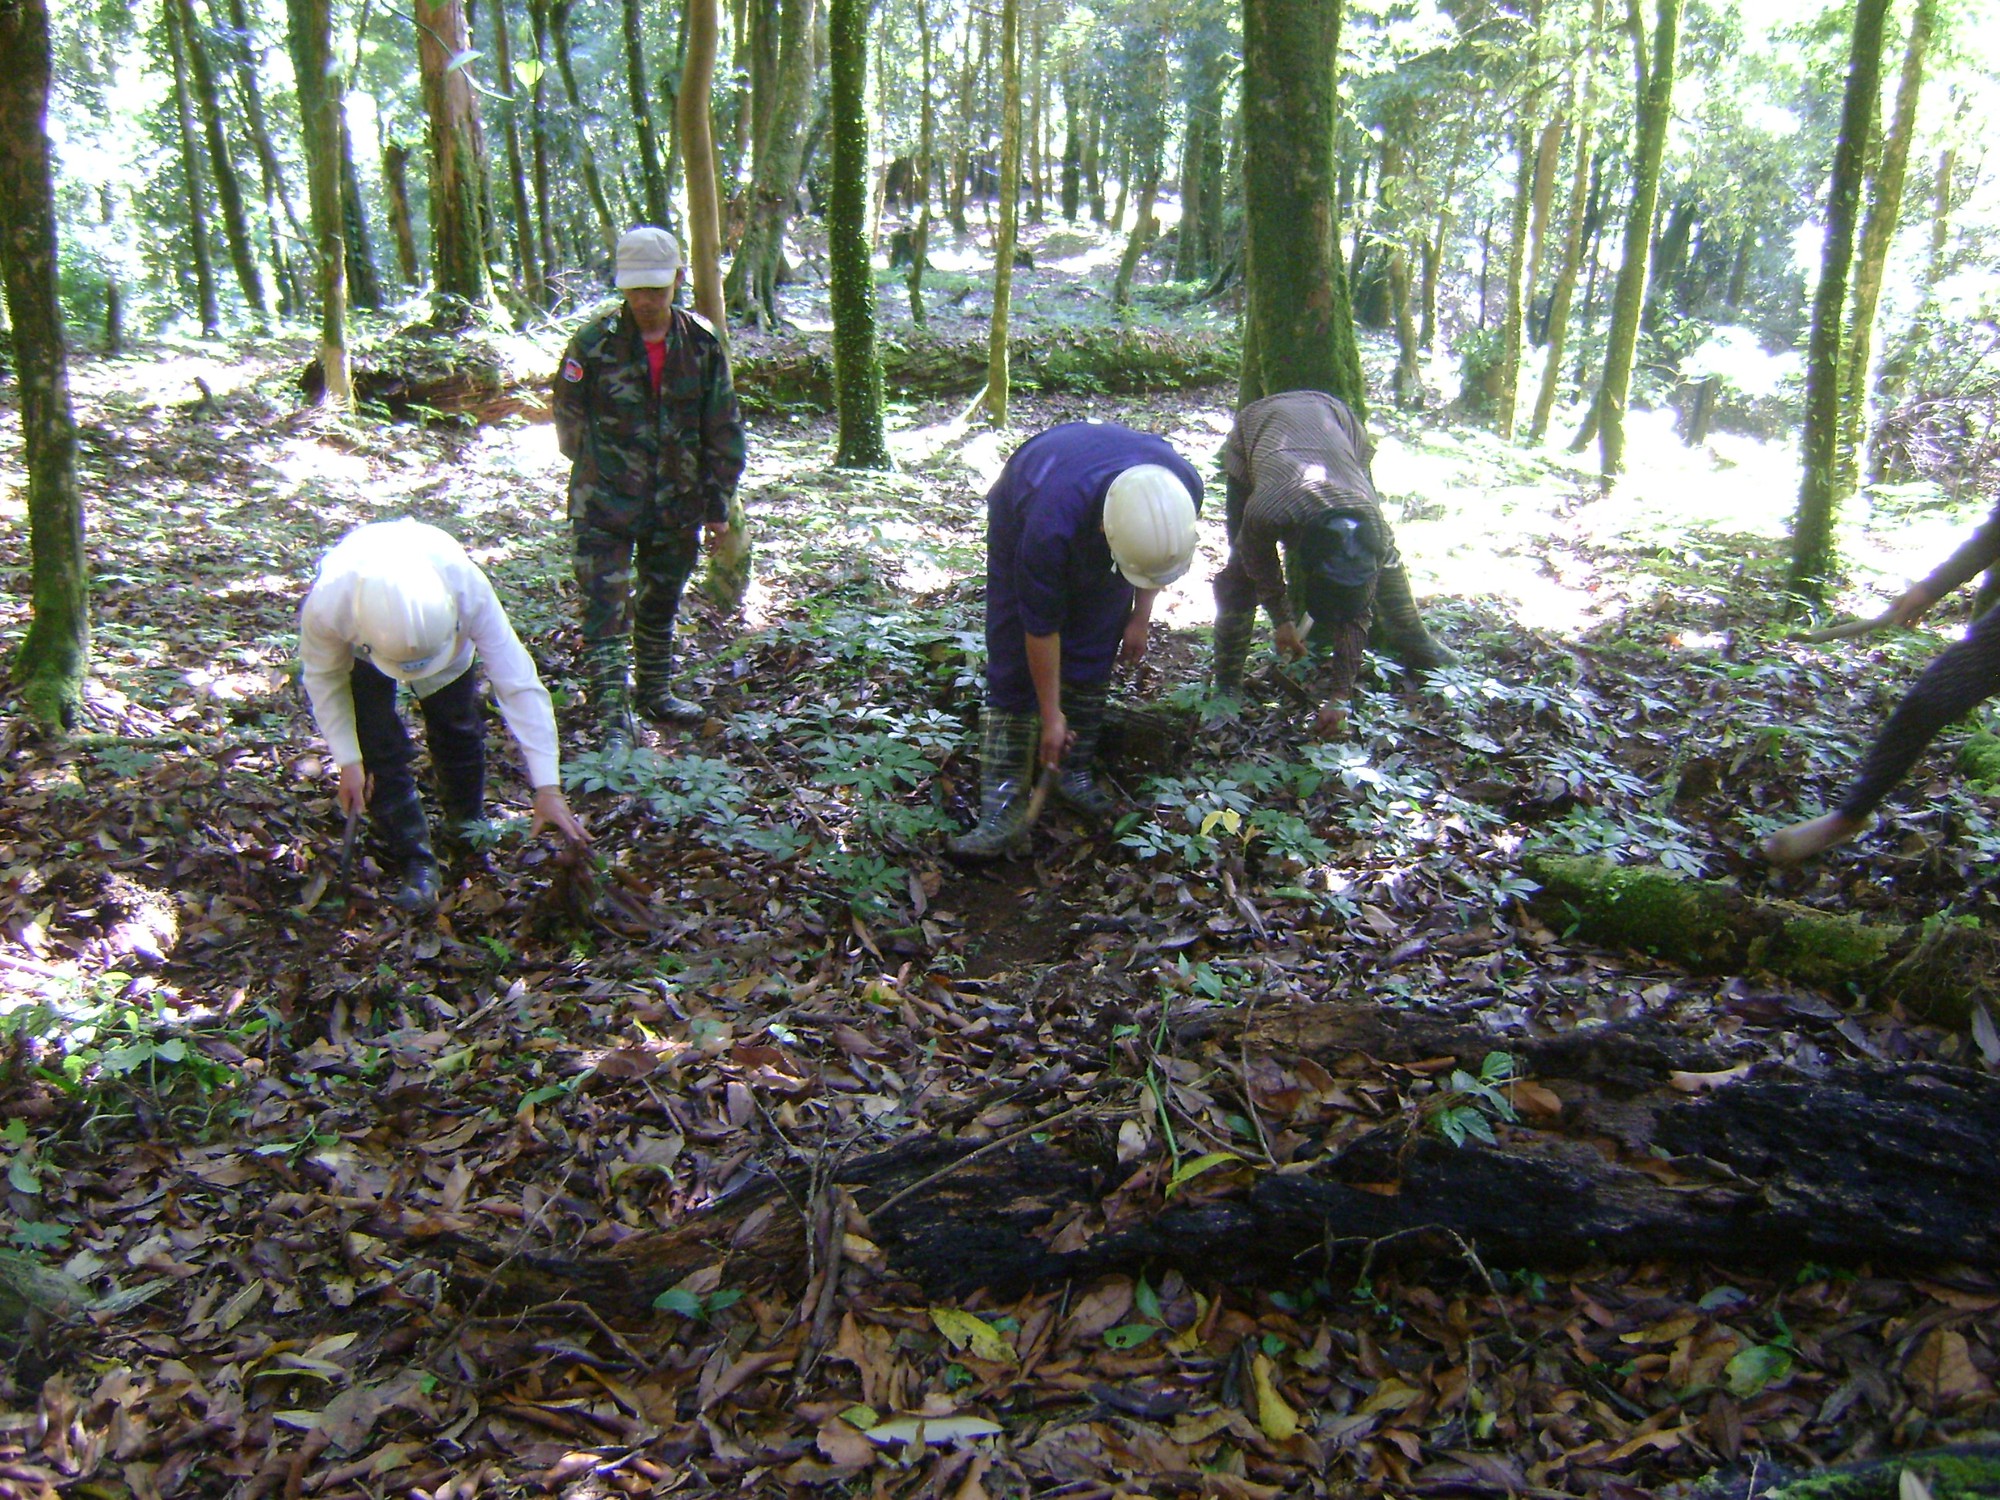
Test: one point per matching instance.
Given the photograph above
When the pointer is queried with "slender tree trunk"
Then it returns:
(1655, 96)
(1517, 261)
(1573, 236)
(968, 79)
(593, 184)
(1547, 157)
(657, 209)
(458, 164)
(697, 134)
(1940, 216)
(1072, 157)
(235, 224)
(49, 665)
(527, 260)
(316, 67)
(204, 266)
(1010, 210)
(751, 290)
(920, 237)
(279, 215)
(396, 177)
(857, 368)
(1302, 331)
(1093, 161)
(1878, 229)
(1187, 249)
(364, 285)
(1148, 158)
(538, 140)
(1407, 383)
(1812, 528)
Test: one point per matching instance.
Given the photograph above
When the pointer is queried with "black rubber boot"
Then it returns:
(660, 704)
(1076, 781)
(1007, 745)
(406, 833)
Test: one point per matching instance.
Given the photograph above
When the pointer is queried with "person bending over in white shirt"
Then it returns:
(399, 602)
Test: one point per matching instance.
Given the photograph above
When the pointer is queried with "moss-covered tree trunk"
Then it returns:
(1072, 156)
(752, 287)
(694, 111)
(316, 67)
(857, 369)
(49, 666)
(651, 174)
(1010, 211)
(924, 166)
(1878, 229)
(458, 163)
(364, 283)
(1304, 328)
(222, 167)
(402, 229)
(527, 257)
(1812, 527)
(206, 304)
(586, 158)
(538, 136)
(1148, 147)
(1655, 96)
(1574, 236)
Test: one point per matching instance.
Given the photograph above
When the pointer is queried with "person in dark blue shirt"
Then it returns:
(1086, 524)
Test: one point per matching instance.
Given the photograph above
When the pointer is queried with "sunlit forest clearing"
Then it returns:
(1450, 1096)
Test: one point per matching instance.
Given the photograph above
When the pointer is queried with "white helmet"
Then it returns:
(647, 257)
(405, 619)
(1149, 522)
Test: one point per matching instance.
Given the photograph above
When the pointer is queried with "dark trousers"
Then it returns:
(1957, 682)
(452, 728)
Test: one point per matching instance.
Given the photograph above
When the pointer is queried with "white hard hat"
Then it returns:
(1149, 522)
(405, 619)
(648, 257)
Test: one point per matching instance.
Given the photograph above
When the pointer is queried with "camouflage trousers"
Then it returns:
(631, 594)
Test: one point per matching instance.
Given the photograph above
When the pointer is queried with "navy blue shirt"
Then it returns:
(1048, 566)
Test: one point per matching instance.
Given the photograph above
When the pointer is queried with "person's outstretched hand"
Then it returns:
(1286, 638)
(1911, 606)
(353, 792)
(552, 811)
(1056, 739)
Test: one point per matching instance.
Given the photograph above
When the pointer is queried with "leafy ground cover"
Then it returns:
(245, 1126)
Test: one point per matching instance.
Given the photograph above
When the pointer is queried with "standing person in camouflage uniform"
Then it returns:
(646, 415)
(1296, 473)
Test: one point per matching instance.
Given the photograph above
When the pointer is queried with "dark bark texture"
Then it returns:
(857, 366)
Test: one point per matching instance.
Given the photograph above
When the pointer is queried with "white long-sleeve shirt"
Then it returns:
(327, 638)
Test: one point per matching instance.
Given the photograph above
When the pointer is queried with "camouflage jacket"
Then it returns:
(640, 461)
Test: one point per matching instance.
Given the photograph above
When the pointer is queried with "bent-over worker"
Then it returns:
(400, 603)
(1296, 472)
(1084, 527)
(1960, 679)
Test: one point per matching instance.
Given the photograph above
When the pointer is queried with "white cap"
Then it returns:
(405, 619)
(1149, 522)
(648, 257)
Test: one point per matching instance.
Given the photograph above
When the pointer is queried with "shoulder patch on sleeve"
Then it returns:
(572, 369)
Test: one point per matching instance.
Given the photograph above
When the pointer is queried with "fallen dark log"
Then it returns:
(1644, 1145)
(1936, 970)
(1968, 1472)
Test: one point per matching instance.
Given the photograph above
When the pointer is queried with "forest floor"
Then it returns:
(249, 1124)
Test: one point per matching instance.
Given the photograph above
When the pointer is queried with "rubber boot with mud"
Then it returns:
(1007, 745)
(406, 833)
(658, 702)
(608, 678)
(1076, 781)
(1401, 628)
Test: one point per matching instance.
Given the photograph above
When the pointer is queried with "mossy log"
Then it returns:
(796, 373)
(1936, 970)
(1640, 1144)
(1970, 1472)
(1979, 759)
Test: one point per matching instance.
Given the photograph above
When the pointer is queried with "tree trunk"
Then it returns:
(316, 67)
(1885, 209)
(593, 184)
(1655, 96)
(364, 285)
(1407, 383)
(1093, 162)
(1812, 527)
(857, 370)
(1547, 157)
(1940, 216)
(655, 179)
(1148, 150)
(49, 665)
(1010, 211)
(235, 224)
(968, 80)
(1037, 139)
(277, 201)
(1607, 1155)
(527, 260)
(1574, 236)
(458, 164)
(190, 157)
(697, 134)
(1515, 315)
(1304, 330)
(751, 290)
(920, 237)
(538, 131)
(396, 177)
(1072, 157)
